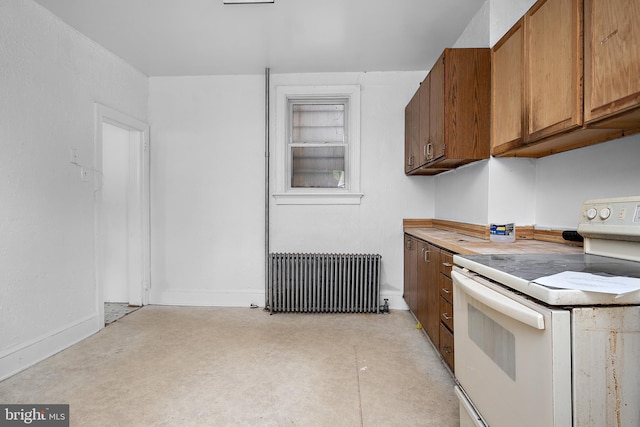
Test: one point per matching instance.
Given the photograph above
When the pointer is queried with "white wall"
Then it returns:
(512, 191)
(478, 31)
(505, 13)
(50, 77)
(565, 180)
(207, 190)
(463, 194)
(207, 185)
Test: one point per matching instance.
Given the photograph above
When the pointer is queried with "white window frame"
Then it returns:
(285, 194)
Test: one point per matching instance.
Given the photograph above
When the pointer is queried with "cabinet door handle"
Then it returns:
(446, 316)
(408, 244)
(447, 264)
(429, 148)
(426, 255)
(446, 291)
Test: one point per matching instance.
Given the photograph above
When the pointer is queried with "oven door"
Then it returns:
(513, 356)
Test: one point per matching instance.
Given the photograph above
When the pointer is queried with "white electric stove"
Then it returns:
(527, 354)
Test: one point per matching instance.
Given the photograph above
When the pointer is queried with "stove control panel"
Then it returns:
(611, 227)
(622, 211)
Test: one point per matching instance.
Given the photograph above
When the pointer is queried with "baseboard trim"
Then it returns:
(396, 301)
(24, 355)
(206, 298)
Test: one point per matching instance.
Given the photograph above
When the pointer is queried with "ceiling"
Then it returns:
(206, 37)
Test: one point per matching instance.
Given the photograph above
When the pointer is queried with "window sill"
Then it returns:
(318, 198)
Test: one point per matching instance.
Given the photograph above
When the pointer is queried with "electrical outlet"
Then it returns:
(84, 175)
(74, 156)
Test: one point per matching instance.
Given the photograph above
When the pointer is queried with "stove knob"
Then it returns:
(605, 213)
(591, 213)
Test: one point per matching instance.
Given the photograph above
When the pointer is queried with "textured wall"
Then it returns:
(50, 77)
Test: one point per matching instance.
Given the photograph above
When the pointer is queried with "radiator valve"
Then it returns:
(385, 308)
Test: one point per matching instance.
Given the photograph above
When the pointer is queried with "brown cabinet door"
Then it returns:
(446, 262)
(435, 150)
(446, 289)
(446, 346)
(612, 59)
(411, 272)
(411, 133)
(431, 288)
(425, 138)
(553, 73)
(446, 313)
(423, 308)
(507, 88)
(466, 102)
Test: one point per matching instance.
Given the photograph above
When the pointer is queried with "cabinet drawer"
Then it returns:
(446, 313)
(446, 263)
(446, 288)
(446, 346)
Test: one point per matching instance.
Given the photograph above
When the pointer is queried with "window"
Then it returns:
(318, 145)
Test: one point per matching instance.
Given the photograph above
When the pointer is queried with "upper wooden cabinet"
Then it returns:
(612, 63)
(539, 104)
(454, 109)
(507, 90)
(411, 133)
(537, 65)
(553, 68)
(424, 118)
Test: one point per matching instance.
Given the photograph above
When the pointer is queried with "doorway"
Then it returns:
(122, 214)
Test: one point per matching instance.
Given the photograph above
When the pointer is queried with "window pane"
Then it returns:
(317, 167)
(317, 123)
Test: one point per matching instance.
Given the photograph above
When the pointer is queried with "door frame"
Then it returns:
(138, 205)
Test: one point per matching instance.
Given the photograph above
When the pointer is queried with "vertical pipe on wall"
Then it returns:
(266, 189)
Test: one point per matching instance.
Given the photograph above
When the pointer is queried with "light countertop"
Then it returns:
(468, 245)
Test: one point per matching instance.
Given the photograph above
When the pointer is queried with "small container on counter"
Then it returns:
(504, 233)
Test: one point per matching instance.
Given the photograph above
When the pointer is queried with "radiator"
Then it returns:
(324, 283)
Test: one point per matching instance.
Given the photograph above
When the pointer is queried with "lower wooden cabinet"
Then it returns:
(446, 346)
(428, 291)
(431, 290)
(446, 313)
(446, 307)
(411, 272)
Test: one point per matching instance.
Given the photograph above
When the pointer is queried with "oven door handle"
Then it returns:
(499, 302)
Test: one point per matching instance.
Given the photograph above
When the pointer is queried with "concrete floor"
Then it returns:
(201, 366)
